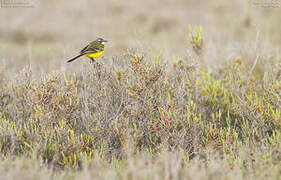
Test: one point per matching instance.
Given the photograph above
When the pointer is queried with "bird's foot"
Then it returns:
(94, 61)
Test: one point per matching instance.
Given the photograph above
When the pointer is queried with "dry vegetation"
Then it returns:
(169, 100)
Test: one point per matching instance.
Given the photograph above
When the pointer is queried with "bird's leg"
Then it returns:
(93, 60)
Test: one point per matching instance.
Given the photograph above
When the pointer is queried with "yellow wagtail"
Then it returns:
(92, 50)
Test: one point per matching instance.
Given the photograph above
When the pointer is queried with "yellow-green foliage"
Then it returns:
(195, 38)
(68, 120)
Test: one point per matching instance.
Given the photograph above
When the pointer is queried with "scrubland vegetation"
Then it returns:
(140, 114)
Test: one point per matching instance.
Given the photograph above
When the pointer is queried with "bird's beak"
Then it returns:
(105, 41)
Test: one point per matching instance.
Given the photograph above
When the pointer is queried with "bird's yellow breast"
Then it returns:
(94, 55)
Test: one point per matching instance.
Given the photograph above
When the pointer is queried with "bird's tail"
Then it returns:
(70, 60)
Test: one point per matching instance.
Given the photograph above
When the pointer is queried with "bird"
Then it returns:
(93, 50)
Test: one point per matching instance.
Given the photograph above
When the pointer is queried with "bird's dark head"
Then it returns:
(101, 40)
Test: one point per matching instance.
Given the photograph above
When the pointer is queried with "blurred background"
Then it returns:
(45, 35)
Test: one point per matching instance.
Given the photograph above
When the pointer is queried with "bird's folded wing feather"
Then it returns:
(92, 49)
(81, 52)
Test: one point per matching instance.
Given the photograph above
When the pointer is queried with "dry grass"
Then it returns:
(167, 101)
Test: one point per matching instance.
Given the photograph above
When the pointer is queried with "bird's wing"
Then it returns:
(92, 48)
(81, 52)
